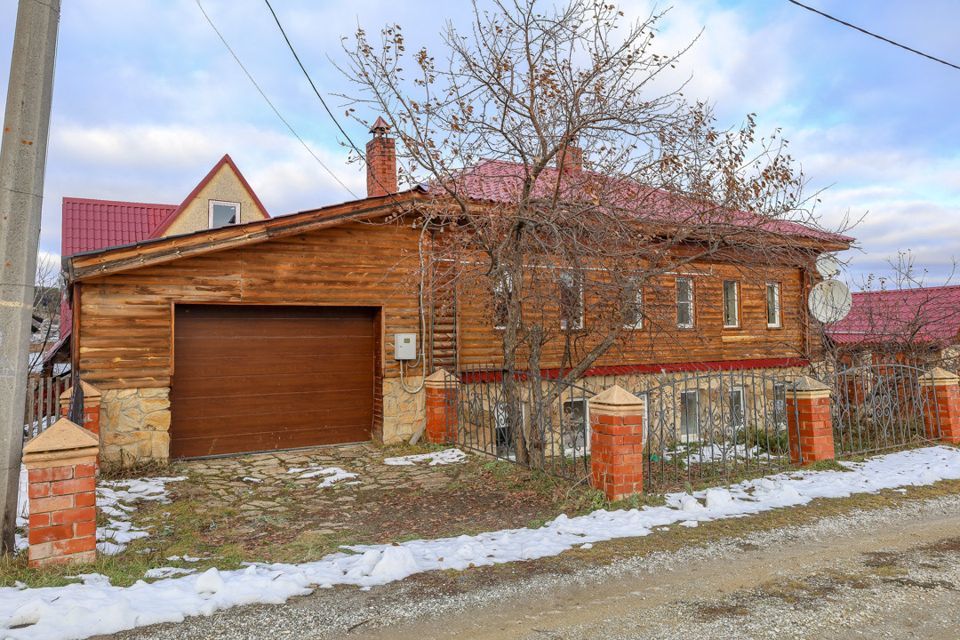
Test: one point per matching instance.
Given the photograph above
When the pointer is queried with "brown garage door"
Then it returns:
(250, 378)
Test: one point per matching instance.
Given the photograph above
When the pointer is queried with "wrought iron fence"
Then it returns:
(700, 427)
(541, 423)
(879, 407)
(713, 426)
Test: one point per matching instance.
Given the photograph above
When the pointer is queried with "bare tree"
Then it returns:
(46, 309)
(896, 317)
(563, 178)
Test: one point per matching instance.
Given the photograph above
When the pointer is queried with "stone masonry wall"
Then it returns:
(403, 412)
(134, 425)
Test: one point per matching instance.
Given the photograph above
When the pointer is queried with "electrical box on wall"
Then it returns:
(405, 346)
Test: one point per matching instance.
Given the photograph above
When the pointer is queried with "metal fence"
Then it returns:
(700, 427)
(541, 423)
(879, 407)
(710, 426)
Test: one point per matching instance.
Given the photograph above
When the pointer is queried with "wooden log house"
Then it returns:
(237, 332)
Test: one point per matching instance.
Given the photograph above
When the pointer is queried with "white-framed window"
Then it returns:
(645, 396)
(502, 288)
(689, 415)
(223, 213)
(773, 305)
(736, 407)
(731, 304)
(684, 303)
(633, 306)
(571, 301)
(780, 403)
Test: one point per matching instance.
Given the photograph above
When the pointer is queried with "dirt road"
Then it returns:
(888, 573)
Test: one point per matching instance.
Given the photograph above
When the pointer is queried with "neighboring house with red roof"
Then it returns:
(222, 197)
(918, 323)
(209, 339)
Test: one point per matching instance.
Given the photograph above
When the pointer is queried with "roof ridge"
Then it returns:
(877, 292)
(116, 202)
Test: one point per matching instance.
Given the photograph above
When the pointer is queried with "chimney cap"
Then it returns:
(380, 127)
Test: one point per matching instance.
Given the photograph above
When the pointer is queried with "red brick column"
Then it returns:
(441, 407)
(810, 427)
(616, 443)
(61, 469)
(941, 405)
(91, 406)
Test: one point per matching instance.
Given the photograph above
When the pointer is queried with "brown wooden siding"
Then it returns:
(126, 335)
(660, 341)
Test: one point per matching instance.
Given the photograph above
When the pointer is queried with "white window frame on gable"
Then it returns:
(214, 203)
(778, 322)
(688, 303)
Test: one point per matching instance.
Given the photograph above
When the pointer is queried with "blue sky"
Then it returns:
(147, 99)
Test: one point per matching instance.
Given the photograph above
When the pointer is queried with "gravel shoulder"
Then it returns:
(886, 572)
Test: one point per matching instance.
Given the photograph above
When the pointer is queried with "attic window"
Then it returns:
(223, 213)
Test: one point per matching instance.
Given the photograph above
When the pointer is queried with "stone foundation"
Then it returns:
(135, 425)
(403, 413)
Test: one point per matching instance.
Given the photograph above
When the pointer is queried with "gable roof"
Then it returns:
(926, 315)
(94, 225)
(499, 181)
(225, 160)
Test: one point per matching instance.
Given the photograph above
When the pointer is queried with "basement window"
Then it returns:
(224, 213)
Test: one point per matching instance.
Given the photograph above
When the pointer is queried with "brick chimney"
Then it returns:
(381, 161)
(570, 158)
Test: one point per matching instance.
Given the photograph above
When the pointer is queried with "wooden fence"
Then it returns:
(43, 403)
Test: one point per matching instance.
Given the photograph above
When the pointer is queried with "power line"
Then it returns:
(268, 101)
(360, 154)
(874, 35)
(310, 80)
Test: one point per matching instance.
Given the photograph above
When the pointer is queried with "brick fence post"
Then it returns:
(441, 407)
(61, 467)
(91, 406)
(941, 405)
(809, 425)
(616, 443)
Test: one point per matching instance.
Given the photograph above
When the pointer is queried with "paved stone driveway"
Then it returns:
(261, 484)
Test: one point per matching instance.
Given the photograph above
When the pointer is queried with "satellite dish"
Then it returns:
(827, 266)
(830, 301)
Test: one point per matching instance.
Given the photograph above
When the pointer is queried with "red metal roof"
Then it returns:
(917, 315)
(89, 225)
(500, 182)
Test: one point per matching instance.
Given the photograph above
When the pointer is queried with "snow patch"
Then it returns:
(77, 611)
(118, 499)
(160, 573)
(333, 475)
(447, 456)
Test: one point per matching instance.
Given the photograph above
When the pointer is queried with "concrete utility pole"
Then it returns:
(23, 155)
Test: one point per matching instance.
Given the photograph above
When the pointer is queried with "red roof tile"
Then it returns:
(89, 225)
(500, 181)
(918, 315)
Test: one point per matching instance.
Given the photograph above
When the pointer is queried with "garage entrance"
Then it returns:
(256, 378)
